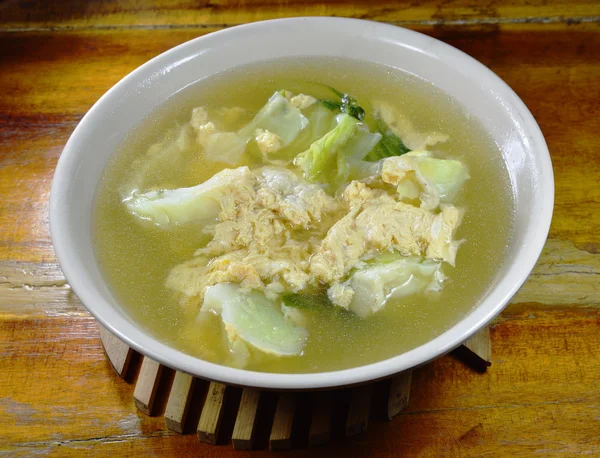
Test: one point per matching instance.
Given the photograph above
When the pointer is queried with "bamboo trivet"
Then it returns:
(285, 420)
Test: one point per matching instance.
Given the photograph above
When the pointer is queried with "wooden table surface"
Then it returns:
(541, 397)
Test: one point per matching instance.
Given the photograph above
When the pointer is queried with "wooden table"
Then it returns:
(58, 394)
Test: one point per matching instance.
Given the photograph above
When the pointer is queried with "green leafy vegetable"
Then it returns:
(332, 105)
(307, 301)
(321, 158)
(346, 104)
(315, 300)
(320, 121)
(362, 169)
(390, 144)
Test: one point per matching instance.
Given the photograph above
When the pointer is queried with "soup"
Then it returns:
(303, 216)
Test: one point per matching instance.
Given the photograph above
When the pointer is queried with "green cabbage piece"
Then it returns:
(200, 203)
(320, 121)
(389, 276)
(447, 175)
(163, 160)
(329, 159)
(429, 179)
(278, 116)
(250, 316)
(362, 169)
(226, 147)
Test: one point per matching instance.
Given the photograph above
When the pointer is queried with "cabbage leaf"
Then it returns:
(388, 276)
(277, 116)
(201, 203)
(329, 159)
(417, 175)
(250, 316)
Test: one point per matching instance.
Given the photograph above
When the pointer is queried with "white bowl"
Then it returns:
(482, 93)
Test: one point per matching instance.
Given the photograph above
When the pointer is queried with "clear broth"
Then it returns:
(135, 259)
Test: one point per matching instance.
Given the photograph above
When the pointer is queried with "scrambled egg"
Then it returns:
(267, 142)
(282, 234)
(302, 101)
(402, 126)
(417, 175)
(256, 242)
(377, 223)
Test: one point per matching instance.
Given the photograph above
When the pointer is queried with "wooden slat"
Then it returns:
(481, 346)
(360, 410)
(180, 399)
(476, 352)
(212, 413)
(399, 394)
(39, 13)
(320, 425)
(246, 421)
(281, 431)
(147, 385)
(118, 353)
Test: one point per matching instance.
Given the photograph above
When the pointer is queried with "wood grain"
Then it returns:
(283, 422)
(118, 353)
(246, 421)
(146, 387)
(359, 410)
(476, 351)
(320, 426)
(59, 393)
(399, 393)
(180, 401)
(538, 394)
(169, 13)
(212, 413)
(38, 111)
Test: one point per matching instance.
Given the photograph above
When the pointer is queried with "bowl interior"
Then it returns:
(481, 92)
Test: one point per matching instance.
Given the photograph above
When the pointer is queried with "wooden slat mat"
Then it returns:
(221, 414)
